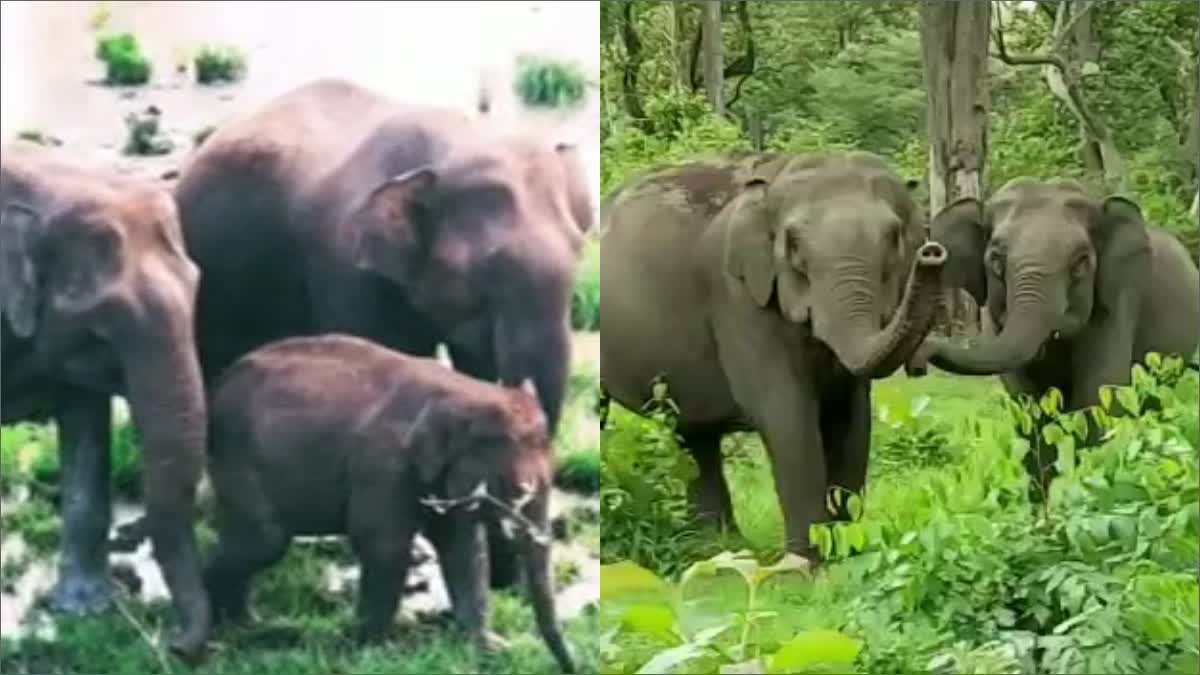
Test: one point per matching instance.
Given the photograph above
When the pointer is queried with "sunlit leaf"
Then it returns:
(815, 647)
(657, 621)
(668, 660)
(626, 577)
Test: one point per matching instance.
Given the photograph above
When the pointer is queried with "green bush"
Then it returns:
(950, 568)
(219, 64)
(579, 471)
(543, 83)
(123, 60)
(585, 301)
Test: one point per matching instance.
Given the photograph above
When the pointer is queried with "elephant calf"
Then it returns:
(338, 435)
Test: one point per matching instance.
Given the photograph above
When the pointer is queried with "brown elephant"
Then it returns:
(338, 435)
(767, 292)
(97, 295)
(1078, 288)
(334, 209)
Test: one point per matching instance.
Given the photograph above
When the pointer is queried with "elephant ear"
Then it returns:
(392, 224)
(964, 231)
(1122, 249)
(578, 194)
(749, 255)
(20, 295)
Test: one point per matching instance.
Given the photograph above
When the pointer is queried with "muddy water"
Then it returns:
(427, 52)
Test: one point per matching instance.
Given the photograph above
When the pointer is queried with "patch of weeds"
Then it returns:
(579, 471)
(36, 521)
(124, 62)
(215, 63)
(566, 572)
(545, 83)
(908, 436)
(145, 137)
(585, 300)
(295, 586)
(40, 137)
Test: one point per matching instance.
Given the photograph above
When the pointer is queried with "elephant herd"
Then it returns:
(768, 291)
(270, 320)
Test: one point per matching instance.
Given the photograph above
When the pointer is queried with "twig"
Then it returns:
(158, 652)
(480, 494)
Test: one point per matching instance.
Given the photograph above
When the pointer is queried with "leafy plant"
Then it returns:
(545, 83)
(739, 645)
(585, 300)
(123, 60)
(40, 137)
(216, 63)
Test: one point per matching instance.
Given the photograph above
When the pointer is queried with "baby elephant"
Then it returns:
(337, 435)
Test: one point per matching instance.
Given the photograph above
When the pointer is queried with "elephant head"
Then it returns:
(95, 265)
(836, 244)
(1045, 257)
(503, 445)
(486, 236)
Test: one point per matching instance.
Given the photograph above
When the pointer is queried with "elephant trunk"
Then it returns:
(1025, 331)
(880, 352)
(166, 397)
(540, 581)
(535, 343)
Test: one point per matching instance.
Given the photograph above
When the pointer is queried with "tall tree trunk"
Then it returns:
(954, 41)
(681, 45)
(630, 95)
(714, 56)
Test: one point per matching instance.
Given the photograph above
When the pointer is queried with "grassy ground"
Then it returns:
(951, 567)
(304, 624)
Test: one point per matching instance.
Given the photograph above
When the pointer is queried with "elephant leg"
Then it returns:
(84, 430)
(244, 549)
(384, 558)
(463, 557)
(846, 431)
(502, 552)
(713, 504)
(792, 433)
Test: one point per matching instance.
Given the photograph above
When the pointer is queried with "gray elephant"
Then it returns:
(767, 292)
(335, 209)
(97, 295)
(337, 435)
(1078, 288)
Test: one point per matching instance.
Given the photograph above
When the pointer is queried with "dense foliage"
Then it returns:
(124, 62)
(950, 567)
(545, 83)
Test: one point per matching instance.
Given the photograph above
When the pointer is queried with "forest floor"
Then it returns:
(305, 602)
(947, 565)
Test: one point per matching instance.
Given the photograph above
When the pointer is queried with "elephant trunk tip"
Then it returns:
(931, 254)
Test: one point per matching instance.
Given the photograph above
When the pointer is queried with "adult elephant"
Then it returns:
(97, 295)
(334, 209)
(1076, 288)
(767, 292)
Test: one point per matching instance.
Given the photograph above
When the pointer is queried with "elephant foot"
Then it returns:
(81, 594)
(189, 649)
(490, 643)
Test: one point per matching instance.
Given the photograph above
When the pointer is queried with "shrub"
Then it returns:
(219, 64)
(123, 60)
(40, 137)
(543, 83)
(585, 301)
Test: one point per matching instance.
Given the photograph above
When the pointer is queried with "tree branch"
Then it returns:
(1022, 59)
(1061, 39)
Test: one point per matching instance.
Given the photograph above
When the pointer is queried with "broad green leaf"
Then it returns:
(1154, 360)
(656, 621)
(1052, 402)
(919, 404)
(668, 660)
(703, 568)
(1128, 399)
(703, 637)
(814, 647)
(627, 577)
(1052, 433)
(741, 562)
(1106, 397)
(1066, 455)
(854, 506)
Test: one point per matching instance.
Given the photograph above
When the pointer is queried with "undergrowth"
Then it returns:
(949, 567)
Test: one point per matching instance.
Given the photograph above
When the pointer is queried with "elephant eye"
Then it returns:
(1080, 266)
(997, 267)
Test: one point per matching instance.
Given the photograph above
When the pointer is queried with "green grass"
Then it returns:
(124, 62)
(585, 301)
(304, 627)
(951, 566)
(543, 83)
(214, 64)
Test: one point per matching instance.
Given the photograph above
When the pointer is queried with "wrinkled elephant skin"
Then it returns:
(97, 296)
(337, 435)
(767, 292)
(407, 225)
